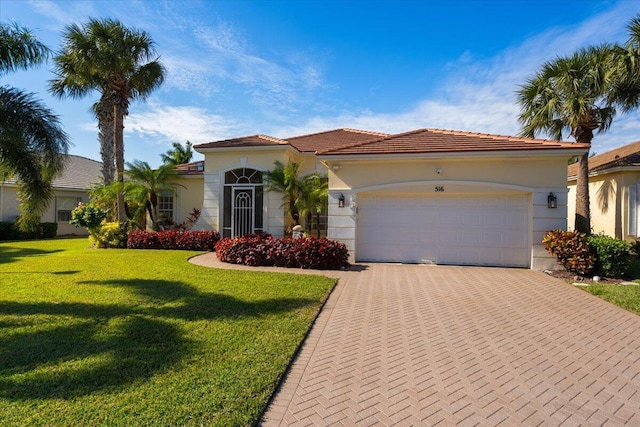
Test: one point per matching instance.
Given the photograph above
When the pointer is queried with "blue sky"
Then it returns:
(286, 68)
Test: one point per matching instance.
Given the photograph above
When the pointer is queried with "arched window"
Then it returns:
(243, 202)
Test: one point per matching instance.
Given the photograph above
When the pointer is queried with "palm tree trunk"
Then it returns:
(118, 128)
(583, 217)
(104, 111)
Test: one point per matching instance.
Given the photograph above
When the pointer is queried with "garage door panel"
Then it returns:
(462, 230)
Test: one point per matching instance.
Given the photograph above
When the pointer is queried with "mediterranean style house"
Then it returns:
(424, 196)
(69, 189)
(614, 186)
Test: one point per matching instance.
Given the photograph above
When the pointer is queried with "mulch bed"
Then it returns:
(574, 278)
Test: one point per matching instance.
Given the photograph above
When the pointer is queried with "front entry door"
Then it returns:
(242, 209)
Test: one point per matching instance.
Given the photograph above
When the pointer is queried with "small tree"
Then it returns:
(178, 155)
(313, 199)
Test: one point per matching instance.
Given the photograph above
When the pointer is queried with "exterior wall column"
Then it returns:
(210, 215)
(342, 221)
(543, 220)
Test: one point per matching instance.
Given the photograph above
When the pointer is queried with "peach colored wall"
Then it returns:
(608, 201)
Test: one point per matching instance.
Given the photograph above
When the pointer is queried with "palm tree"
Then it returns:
(32, 142)
(626, 89)
(313, 198)
(121, 64)
(570, 95)
(179, 155)
(151, 183)
(284, 179)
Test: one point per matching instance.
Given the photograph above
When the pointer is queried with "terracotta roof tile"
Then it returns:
(193, 168)
(244, 141)
(628, 155)
(424, 141)
(333, 139)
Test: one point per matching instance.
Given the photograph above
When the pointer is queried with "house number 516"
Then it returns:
(439, 189)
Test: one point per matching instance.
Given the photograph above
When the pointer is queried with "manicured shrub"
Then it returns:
(88, 216)
(109, 235)
(571, 248)
(10, 231)
(185, 240)
(612, 255)
(310, 253)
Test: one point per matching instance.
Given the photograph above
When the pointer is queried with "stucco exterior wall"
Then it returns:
(9, 208)
(535, 177)
(189, 195)
(216, 164)
(609, 203)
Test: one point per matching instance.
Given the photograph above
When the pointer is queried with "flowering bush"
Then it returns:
(308, 253)
(185, 240)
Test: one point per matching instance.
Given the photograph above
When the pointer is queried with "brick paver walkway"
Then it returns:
(425, 345)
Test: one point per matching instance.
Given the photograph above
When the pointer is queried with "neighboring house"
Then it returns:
(69, 189)
(428, 196)
(614, 186)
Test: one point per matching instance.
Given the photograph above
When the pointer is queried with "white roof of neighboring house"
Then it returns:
(79, 173)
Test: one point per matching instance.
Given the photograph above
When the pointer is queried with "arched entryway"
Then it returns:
(243, 204)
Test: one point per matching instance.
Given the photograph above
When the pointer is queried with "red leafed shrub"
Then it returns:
(572, 250)
(248, 250)
(308, 253)
(186, 240)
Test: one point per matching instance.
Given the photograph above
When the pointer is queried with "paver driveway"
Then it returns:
(425, 345)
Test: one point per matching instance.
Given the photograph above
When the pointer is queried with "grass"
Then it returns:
(627, 297)
(123, 337)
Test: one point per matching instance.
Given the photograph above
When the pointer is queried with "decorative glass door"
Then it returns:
(242, 212)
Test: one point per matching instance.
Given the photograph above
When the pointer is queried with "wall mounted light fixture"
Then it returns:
(552, 201)
(341, 201)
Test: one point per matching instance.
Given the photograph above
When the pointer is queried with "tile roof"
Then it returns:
(628, 155)
(424, 141)
(78, 173)
(193, 168)
(333, 139)
(244, 141)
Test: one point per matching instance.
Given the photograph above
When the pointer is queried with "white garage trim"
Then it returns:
(464, 229)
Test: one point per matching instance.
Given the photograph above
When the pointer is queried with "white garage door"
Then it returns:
(487, 230)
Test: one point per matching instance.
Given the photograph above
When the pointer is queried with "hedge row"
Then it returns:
(185, 240)
(310, 253)
(582, 254)
(10, 231)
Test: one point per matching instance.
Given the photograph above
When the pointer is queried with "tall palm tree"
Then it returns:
(570, 95)
(285, 180)
(32, 142)
(313, 198)
(178, 155)
(626, 61)
(119, 62)
(151, 183)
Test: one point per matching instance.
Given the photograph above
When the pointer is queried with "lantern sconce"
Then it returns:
(552, 201)
(341, 201)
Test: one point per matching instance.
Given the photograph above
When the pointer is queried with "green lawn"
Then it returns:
(132, 337)
(627, 297)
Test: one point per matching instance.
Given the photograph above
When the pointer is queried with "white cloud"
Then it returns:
(179, 124)
(479, 96)
(73, 12)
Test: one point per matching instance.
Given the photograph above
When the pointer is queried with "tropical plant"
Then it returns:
(626, 90)
(178, 155)
(285, 180)
(32, 142)
(313, 199)
(150, 184)
(121, 64)
(570, 95)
